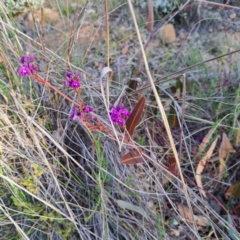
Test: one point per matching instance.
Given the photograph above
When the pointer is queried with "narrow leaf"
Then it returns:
(172, 117)
(133, 157)
(225, 148)
(105, 70)
(132, 207)
(238, 138)
(202, 164)
(150, 16)
(233, 233)
(172, 166)
(205, 141)
(234, 190)
(135, 116)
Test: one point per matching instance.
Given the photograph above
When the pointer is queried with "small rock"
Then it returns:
(168, 34)
(210, 29)
(232, 15)
(124, 49)
(182, 35)
(219, 27)
(49, 15)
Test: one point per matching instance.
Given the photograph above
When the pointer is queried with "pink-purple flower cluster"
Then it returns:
(119, 114)
(73, 80)
(78, 115)
(28, 66)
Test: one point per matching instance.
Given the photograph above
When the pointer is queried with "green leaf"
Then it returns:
(232, 232)
(132, 207)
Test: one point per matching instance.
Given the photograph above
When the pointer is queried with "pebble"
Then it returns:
(182, 35)
(219, 26)
(210, 29)
(49, 15)
(168, 33)
(232, 15)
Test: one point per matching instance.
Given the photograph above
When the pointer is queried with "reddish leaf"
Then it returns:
(135, 116)
(234, 190)
(237, 208)
(133, 157)
(172, 166)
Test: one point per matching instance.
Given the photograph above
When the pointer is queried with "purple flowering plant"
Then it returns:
(80, 112)
(79, 115)
(119, 114)
(28, 66)
(73, 79)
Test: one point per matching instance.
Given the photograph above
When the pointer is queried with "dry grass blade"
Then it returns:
(202, 164)
(205, 141)
(225, 148)
(150, 16)
(135, 116)
(133, 157)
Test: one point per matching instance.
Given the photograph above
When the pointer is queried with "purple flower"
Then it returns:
(33, 68)
(68, 74)
(199, 140)
(24, 71)
(73, 79)
(121, 121)
(123, 112)
(120, 106)
(119, 114)
(78, 115)
(23, 59)
(75, 84)
(87, 109)
(74, 113)
(28, 66)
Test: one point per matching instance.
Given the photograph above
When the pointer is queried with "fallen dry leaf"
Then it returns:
(186, 214)
(205, 141)
(202, 164)
(225, 148)
(234, 190)
(132, 157)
